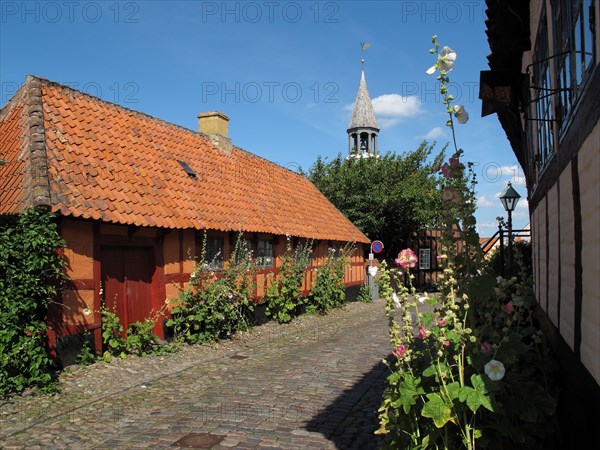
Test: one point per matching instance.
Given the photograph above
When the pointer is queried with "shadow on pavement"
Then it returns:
(350, 420)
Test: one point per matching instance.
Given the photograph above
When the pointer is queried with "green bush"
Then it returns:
(364, 295)
(283, 296)
(521, 261)
(139, 339)
(30, 274)
(329, 290)
(215, 305)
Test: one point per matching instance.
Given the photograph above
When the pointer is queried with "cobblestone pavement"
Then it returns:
(315, 383)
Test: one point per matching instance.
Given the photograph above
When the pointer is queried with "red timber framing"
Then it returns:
(137, 269)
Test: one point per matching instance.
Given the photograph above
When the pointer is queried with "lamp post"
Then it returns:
(509, 199)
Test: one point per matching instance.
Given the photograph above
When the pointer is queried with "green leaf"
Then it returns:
(430, 371)
(427, 319)
(409, 391)
(453, 390)
(437, 410)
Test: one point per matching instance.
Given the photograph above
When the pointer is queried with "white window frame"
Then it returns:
(424, 257)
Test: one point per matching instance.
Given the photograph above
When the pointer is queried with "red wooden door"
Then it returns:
(127, 281)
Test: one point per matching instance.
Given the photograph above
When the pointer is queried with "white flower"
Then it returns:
(499, 279)
(396, 300)
(445, 61)
(86, 311)
(495, 370)
(462, 116)
(422, 299)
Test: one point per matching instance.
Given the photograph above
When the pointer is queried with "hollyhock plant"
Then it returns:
(508, 307)
(396, 300)
(461, 114)
(446, 170)
(407, 258)
(448, 194)
(495, 370)
(400, 351)
(486, 347)
(445, 61)
(444, 391)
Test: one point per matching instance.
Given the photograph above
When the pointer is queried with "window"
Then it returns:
(214, 252)
(424, 258)
(542, 103)
(242, 250)
(265, 253)
(574, 42)
(303, 253)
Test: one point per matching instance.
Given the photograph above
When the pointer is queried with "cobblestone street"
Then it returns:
(315, 383)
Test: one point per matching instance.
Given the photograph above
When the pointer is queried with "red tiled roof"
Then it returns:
(13, 126)
(487, 244)
(109, 163)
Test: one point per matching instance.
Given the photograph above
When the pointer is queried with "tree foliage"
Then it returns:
(387, 198)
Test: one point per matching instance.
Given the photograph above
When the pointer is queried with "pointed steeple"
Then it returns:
(363, 129)
(363, 114)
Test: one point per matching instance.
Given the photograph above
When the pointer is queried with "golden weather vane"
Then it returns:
(363, 47)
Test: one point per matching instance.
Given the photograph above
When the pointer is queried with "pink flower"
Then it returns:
(453, 161)
(486, 347)
(400, 351)
(446, 343)
(446, 170)
(230, 295)
(407, 258)
(422, 333)
(441, 323)
(28, 333)
(508, 307)
(448, 194)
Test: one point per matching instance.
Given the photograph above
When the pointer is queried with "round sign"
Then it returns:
(377, 246)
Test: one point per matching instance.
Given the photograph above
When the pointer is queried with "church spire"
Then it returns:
(363, 129)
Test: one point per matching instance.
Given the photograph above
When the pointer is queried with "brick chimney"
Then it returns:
(215, 125)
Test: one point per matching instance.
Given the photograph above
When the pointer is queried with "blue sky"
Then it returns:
(286, 73)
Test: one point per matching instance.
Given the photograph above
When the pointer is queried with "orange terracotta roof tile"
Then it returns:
(123, 166)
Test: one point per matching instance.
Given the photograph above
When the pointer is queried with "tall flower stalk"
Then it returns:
(460, 356)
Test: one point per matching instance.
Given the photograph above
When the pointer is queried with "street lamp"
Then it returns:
(509, 199)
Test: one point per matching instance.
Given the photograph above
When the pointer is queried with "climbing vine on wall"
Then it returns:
(30, 274)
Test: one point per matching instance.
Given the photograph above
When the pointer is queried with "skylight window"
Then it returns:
(188, 169)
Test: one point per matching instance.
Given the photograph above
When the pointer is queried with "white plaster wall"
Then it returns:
(567, 258)
(541, 219)
(553, 256)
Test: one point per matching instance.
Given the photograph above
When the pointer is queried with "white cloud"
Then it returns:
(522, 209)
(391, 109)
(494, 172)
(434, 133)
(485, 202)
(388, 122)
(486, 226)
